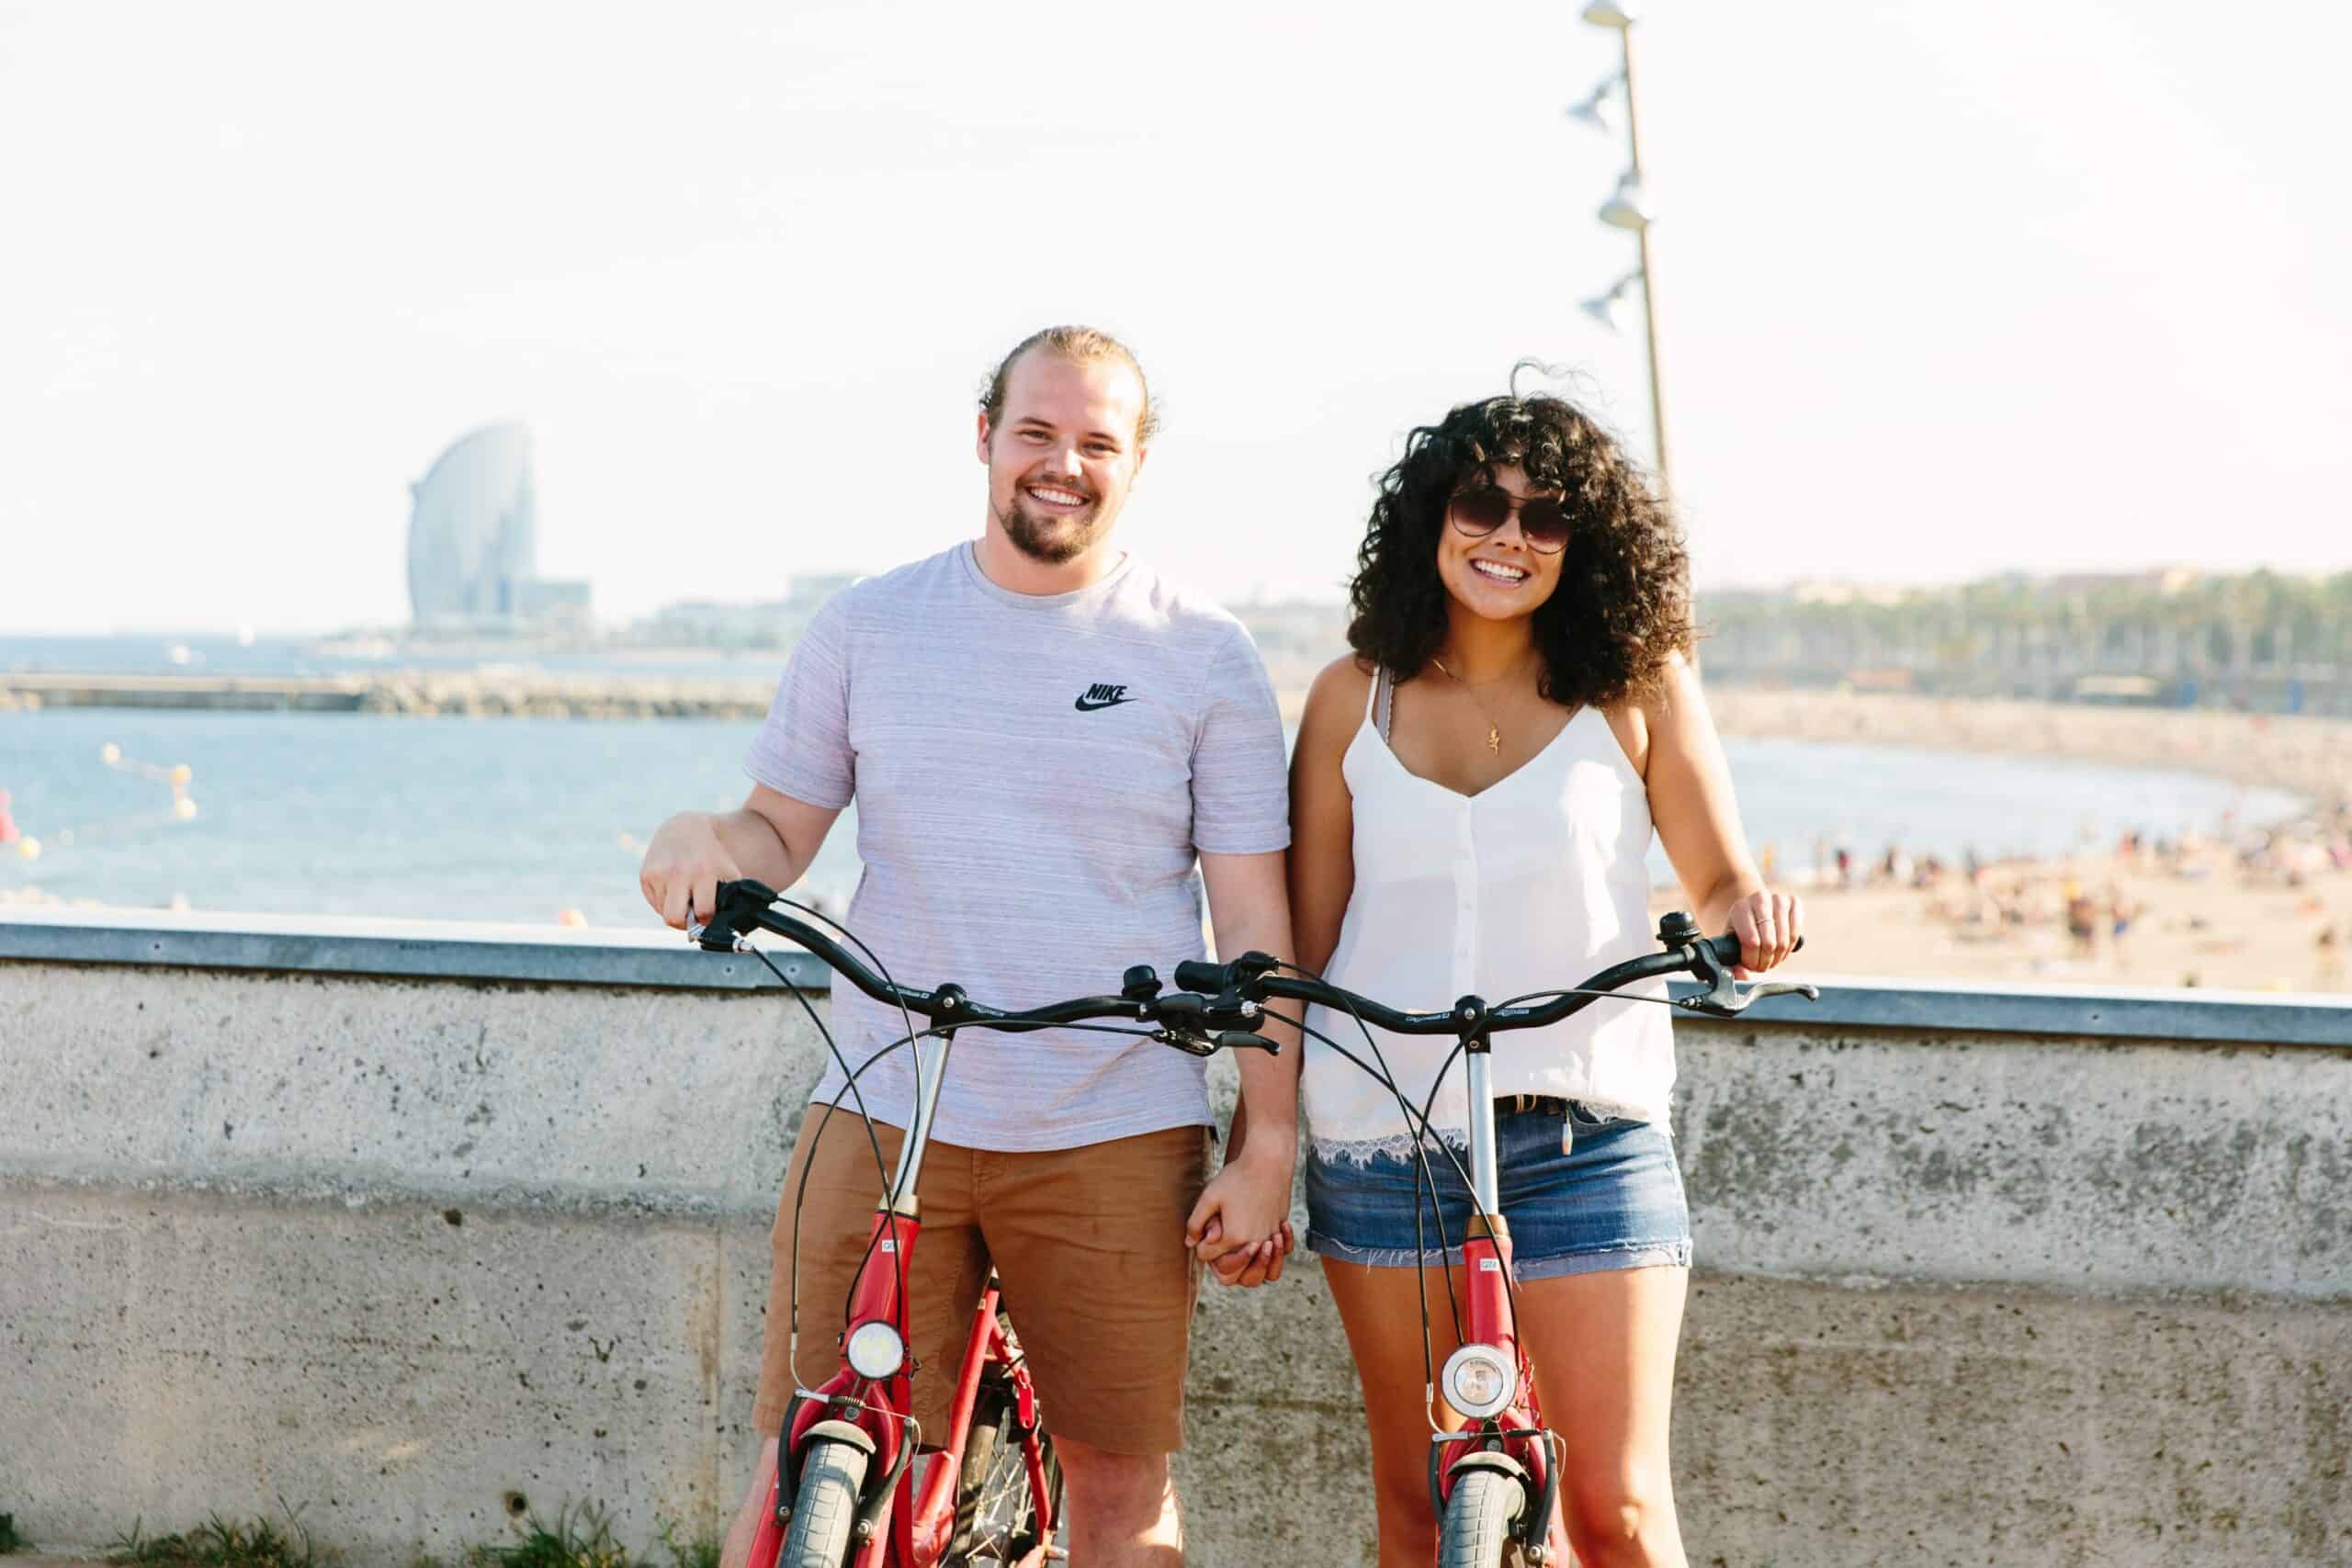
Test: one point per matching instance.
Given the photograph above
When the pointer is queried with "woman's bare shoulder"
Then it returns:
(1342, 686)
(1335, 701)
(1346, 679)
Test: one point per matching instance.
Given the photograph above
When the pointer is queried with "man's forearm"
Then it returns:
(1268, 1084)
(759, 850)
(1265, 1124)
(1250, 910)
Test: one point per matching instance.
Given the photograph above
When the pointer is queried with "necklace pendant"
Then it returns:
(1494, 739)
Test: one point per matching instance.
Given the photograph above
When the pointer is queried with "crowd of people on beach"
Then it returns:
(2089, 910)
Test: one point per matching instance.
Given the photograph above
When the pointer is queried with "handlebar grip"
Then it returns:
(1199, 975)
(734, 906)
(1727, 946)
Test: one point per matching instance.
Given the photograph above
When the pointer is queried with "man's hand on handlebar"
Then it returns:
(683, 866)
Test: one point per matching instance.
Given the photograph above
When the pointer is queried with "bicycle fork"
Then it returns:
(1489, 1379)
(866, 1401)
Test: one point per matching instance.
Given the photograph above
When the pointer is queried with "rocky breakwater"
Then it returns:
(477, 695)
(484, 693)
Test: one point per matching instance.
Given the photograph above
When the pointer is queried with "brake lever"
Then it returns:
(737, 943)
(735, 904)
(1722, 997)
(1738, 1002)
(1242, 1040)
(1194, 1044)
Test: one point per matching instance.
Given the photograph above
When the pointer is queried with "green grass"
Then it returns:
(226, 1543)
(579, 1536)
(8, 1539)
(702, 1552)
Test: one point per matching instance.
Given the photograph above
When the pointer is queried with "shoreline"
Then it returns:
(2268, 907)
(2305, 755)
(2264, 904)
(2310, 757)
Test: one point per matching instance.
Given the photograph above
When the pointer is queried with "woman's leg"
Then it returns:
(1381, 1307)
(1603, 1347)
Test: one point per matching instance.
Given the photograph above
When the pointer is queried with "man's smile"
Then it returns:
(1058, 497)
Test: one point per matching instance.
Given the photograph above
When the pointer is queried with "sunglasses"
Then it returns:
(1542, 519)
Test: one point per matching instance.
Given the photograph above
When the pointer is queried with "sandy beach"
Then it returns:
(2309, 756)
(2261, 906)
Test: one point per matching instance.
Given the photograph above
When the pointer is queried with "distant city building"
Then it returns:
(713, 623)
(552, 601)
(473, 539)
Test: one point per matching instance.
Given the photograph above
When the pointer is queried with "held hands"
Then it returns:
(683, 866)
(1248, 1197)
(1768, 925)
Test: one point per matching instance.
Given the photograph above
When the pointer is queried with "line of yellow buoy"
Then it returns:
(182, 809)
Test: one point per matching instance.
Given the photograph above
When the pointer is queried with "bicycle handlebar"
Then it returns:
(1210, 999)
(1187, 1020)
(1254, 977)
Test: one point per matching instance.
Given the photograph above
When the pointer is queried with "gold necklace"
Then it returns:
(1494, 730)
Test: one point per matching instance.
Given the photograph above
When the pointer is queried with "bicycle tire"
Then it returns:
(996, 1515)
(1475, 1531)
(824, 1514)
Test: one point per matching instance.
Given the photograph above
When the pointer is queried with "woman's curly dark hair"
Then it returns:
(1622, 606)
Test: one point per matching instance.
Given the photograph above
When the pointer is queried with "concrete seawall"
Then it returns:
(417, 1228)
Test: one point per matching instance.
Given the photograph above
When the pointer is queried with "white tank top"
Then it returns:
(1539, 880)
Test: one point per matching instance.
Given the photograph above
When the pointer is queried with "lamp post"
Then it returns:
(1627, 209)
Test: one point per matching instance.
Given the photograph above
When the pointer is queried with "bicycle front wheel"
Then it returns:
(1475, 1531)
(824, 1514)
(996, 1511)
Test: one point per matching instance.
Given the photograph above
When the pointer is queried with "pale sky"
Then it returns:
(1943, 289)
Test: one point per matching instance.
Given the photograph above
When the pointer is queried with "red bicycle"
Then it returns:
(1494, 1480)
(843, 1492)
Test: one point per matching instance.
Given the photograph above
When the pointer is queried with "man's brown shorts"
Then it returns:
(1089, 1244)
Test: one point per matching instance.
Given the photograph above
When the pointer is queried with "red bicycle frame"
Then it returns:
(1505, 1430)
(873, 1413)
(1515, 1435)
(920, 1529)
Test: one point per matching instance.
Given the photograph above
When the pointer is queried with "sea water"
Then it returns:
(523, 819)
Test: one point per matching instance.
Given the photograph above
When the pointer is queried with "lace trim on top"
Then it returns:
(1396, 1146)
(1399, 1145)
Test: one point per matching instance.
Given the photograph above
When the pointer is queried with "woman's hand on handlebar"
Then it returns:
(1769, 926)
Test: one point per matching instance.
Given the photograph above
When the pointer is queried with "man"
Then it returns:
(1043, 738)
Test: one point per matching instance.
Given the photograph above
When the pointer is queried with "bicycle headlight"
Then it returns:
(874, 1350)
(1478, 1382)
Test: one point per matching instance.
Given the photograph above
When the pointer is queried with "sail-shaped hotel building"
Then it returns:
(473, 537)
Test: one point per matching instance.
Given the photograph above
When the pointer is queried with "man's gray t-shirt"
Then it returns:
(1034, 778)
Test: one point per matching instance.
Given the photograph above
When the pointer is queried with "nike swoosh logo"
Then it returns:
(1084, 706)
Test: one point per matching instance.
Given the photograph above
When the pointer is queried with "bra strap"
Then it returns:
(1383, 701)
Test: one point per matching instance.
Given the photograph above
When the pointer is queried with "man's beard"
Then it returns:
(1051, 541)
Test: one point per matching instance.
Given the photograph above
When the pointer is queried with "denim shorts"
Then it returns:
(1612, 1200)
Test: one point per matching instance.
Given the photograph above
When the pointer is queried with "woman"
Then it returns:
(1472, 799)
